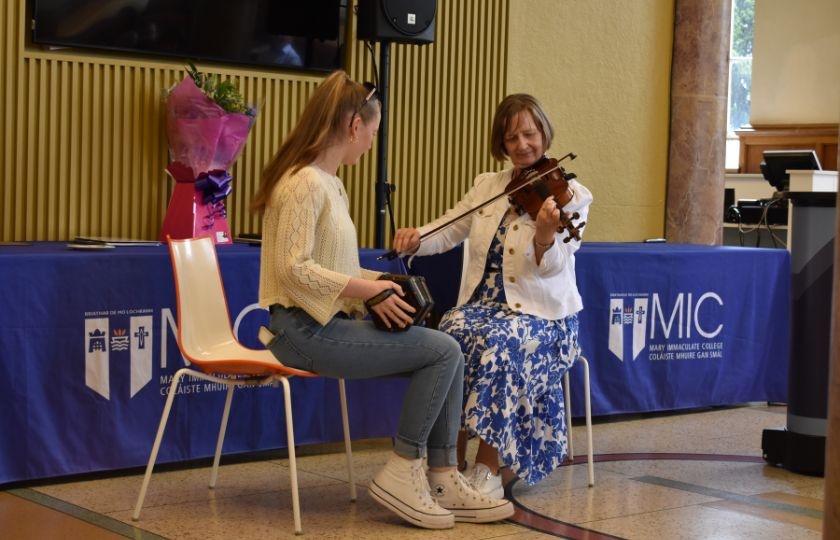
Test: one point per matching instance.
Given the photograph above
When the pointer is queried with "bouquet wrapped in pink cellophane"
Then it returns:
(204, 141)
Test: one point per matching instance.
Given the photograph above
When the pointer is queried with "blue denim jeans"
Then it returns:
(354, 349)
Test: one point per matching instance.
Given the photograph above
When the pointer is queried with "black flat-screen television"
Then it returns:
(296, 34)
(777, 162)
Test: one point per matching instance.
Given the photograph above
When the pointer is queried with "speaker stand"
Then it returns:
(382, 147)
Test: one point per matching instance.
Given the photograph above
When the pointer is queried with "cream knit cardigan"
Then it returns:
(309, 246)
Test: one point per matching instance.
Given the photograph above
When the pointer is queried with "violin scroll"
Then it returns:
(567, 223)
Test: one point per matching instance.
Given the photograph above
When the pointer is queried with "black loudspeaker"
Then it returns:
(400, 21)
(728, 203)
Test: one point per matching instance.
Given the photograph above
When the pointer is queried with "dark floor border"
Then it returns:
(549, 525)
(729, 496)
(98, 520)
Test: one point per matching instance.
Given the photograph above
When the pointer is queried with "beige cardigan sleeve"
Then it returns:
(309, 284)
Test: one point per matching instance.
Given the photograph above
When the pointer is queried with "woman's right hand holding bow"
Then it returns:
(406, 241)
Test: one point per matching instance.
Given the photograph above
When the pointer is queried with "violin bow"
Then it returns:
(392, 254)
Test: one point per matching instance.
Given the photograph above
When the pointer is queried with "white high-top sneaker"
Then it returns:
(453, 492)
(485, 482)
(401, 487)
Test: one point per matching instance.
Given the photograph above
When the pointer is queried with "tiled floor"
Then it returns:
(727, 492)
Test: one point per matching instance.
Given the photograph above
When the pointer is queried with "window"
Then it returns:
(740, 76)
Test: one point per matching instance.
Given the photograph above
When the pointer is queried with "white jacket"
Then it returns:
(549, 290)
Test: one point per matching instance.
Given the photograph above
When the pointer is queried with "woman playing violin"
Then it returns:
(516, 318)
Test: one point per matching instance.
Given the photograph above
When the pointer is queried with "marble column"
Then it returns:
(699, 89)
(831, 504)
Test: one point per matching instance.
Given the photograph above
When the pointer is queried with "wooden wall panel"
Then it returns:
(820, 138)
(83, 143)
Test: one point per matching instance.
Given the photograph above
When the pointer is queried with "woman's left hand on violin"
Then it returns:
(548, 221)
(406, 241)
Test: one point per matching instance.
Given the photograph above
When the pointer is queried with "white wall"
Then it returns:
(796, 62)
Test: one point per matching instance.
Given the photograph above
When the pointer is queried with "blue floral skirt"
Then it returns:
(513, 393)
(513, 385)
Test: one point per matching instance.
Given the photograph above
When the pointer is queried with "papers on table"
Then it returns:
(112, 241)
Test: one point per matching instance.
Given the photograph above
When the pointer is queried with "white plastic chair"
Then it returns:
(568, 398)
(207, 341)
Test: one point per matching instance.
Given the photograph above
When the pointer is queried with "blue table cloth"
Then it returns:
(664, 327)
(66, 411)
(670, 326)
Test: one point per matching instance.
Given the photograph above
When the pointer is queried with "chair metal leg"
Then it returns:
(568, 399)
(214, 473)
(156, 446)
(290, 436)
(590, 451)
(345, 421)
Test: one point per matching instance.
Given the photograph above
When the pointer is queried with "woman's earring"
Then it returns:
(352, 138)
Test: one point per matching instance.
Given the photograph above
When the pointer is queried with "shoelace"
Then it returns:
(477, 478)
(477, 481)
(467, 488)
(421, 481)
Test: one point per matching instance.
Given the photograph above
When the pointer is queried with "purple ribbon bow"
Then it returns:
(215, 185)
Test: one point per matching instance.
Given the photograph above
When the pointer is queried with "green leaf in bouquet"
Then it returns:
(223, 93)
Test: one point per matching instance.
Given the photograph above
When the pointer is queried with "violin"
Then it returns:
(543, 179)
